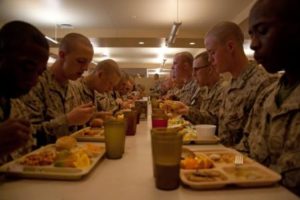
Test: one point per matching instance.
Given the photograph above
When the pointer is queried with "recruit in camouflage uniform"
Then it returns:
(274, 133)
(106, 101)
(84, 94)
(14, 108)
(238, 101)
(187, 91)
(102, 101)
(47, 104)
(173, 92)
(207, 106)
(5, 108)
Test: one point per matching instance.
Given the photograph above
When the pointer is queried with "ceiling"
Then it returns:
(115, 27)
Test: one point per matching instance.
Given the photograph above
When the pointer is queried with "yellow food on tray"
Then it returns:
(197, 162)
(76, 157)
(93, 150)
(188, 134)
(82, 160)
(170, 108)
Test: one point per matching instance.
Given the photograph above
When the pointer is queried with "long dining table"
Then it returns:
(128, 178)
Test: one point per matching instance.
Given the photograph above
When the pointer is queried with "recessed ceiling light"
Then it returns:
(192, 43)
(65, 26)
(141, 43)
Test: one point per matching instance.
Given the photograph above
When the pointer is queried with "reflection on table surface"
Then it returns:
(128, 178)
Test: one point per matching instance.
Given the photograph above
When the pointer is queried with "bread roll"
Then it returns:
(96, 123)
(65, 142)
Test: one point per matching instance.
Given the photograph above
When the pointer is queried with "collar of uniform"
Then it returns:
(291, 103)
(242, 79)
(189, 85)
(53, 85)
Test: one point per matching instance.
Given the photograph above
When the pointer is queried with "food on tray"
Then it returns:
(65, 153)
(197, 162)
(246, 173)
(222, 157)
(171, 108)
(79, 157)
(206, 176)
(96, 123)
(65, 142)
(187, 153)
(91, 132)
(178, 121)
(92, 150)
(40, 159)
(188, 134)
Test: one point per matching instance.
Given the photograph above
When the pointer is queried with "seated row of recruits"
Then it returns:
(255, 111)
(59, 103)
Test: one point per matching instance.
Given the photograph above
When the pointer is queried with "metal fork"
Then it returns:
(238, 160)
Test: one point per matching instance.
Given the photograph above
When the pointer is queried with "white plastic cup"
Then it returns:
(205, 131)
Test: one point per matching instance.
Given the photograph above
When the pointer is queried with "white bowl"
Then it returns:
(205, 130)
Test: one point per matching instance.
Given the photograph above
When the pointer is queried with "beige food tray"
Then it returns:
(207, 140)
(89, 138)
(250, 174)
(16, 169)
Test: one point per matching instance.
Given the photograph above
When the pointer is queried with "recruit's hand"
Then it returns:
(81, 114)
(14, 133)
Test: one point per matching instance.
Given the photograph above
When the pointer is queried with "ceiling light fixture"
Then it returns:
(174, 31)
(141, 43)
(192, 43)
(55, 36)
(172, 36)
(51, 40)
(65, 26)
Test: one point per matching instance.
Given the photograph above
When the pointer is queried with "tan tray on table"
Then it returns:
(225, 173)
(17, 169)
(206, 140)
(89, 134)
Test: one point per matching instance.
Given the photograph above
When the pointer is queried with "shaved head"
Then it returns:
(225, 31)
(69, 42)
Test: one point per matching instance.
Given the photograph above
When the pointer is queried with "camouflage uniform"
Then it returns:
(208, 104)
(102, 101)
(17, 110)
(196, 98)
(173, 92)
(274, 133)
(5, 108)
(106, 101)
(239, 98)
(47, 104)
(187, 91)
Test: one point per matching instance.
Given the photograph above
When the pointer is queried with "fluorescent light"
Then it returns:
(52, 40)
(173, 33)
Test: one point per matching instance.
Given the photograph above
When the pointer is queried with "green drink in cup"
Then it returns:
(114, 132)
